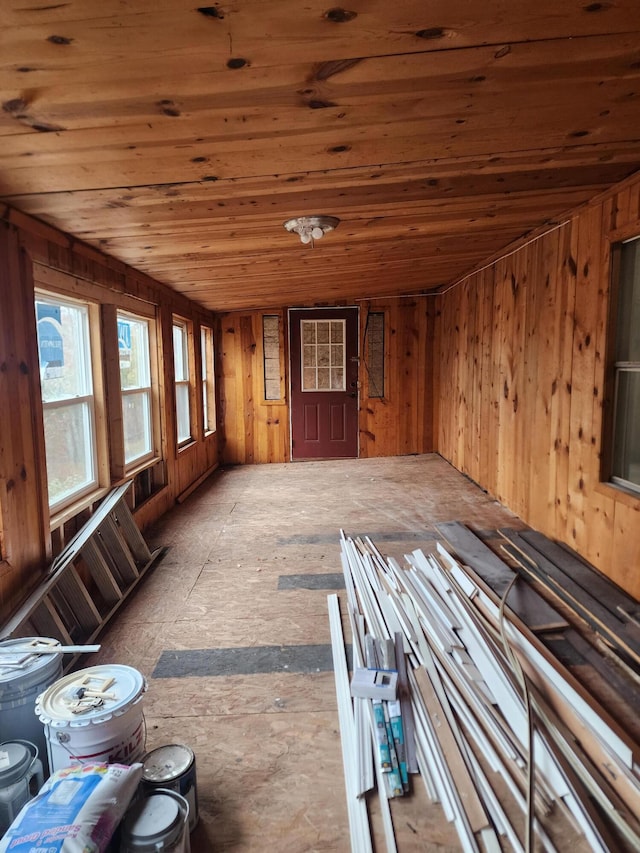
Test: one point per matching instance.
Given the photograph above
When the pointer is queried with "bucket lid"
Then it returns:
(153, 821)
(166, 762)
(90, 695)
(15, 761)
(18, 666)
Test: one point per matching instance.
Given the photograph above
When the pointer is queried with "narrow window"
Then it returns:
(135, 385)
(64, 352)
(626, 408)
(374, 335)
(208, 380)
(182, 384)
(271, 350)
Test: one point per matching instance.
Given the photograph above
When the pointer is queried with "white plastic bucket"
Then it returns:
(20, 686)
(157, 823)
(94, 714)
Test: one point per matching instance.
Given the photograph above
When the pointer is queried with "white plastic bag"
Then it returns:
(76, 811)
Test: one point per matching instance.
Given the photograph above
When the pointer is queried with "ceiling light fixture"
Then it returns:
(311, 228)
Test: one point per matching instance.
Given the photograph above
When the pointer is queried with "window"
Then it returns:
(323, 355)
(626, 409)
(181, 371)
(64, 351)
(374, 335)
(271, 355)
(135, 385)
(208, 380)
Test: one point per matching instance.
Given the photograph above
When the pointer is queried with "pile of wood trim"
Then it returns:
(487, 697)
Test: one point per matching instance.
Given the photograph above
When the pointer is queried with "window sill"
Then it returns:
(141, 466)
(66, 514)
(619, 494)
(187, 445)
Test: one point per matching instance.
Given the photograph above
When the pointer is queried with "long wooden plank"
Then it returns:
(596, 614)
(595, 584)
(626, 690)
(525, 602)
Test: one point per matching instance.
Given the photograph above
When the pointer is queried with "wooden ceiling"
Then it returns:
(179, 138)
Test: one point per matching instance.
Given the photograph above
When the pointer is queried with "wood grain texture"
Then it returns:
(547, 351)
(179, 139)
(256, 430)
(33, 256)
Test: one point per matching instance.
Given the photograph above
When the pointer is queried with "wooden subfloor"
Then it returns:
(267, 745)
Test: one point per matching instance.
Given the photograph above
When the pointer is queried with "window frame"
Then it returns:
(140, 461)
(95, 401)
(208, 379)
(269, 379)
(615, 368)
(372, 319)
(186, 382)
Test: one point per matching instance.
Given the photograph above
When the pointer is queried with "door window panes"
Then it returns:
(323, 355)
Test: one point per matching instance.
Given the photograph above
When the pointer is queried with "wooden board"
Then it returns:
(594, 583)
(530, 607)
(621, 635)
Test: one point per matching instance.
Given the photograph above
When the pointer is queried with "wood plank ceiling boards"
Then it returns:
(179, 138)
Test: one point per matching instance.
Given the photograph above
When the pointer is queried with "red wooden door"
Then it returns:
(324, 383)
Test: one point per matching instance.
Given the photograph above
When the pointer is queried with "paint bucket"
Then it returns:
(173, 767)
(94, 714)
(21, 778)
(23, 676)
(158, 822)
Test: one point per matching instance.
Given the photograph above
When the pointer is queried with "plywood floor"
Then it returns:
(267, 743)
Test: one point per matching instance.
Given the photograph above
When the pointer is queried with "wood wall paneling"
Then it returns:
(537, 425)
(32, 253)
(402, 422)
(254, 430)
(22, 476)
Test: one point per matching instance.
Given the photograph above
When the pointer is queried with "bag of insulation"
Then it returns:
(77, 810)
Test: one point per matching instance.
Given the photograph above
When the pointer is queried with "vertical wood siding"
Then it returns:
(521, 367)
(26, 539)
(253, 430)
(400, 423)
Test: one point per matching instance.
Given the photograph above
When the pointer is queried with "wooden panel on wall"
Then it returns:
(533, 437)
(21, 487)
(63, 264)
(254, 430)
(401, 422)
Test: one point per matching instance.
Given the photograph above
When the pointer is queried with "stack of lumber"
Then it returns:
(486, 702)
(613, 615)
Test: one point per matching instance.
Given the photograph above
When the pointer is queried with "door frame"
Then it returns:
(319, 311)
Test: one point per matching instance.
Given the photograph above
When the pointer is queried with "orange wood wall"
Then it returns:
(25, 533)
(400, 423)
(521, 354)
